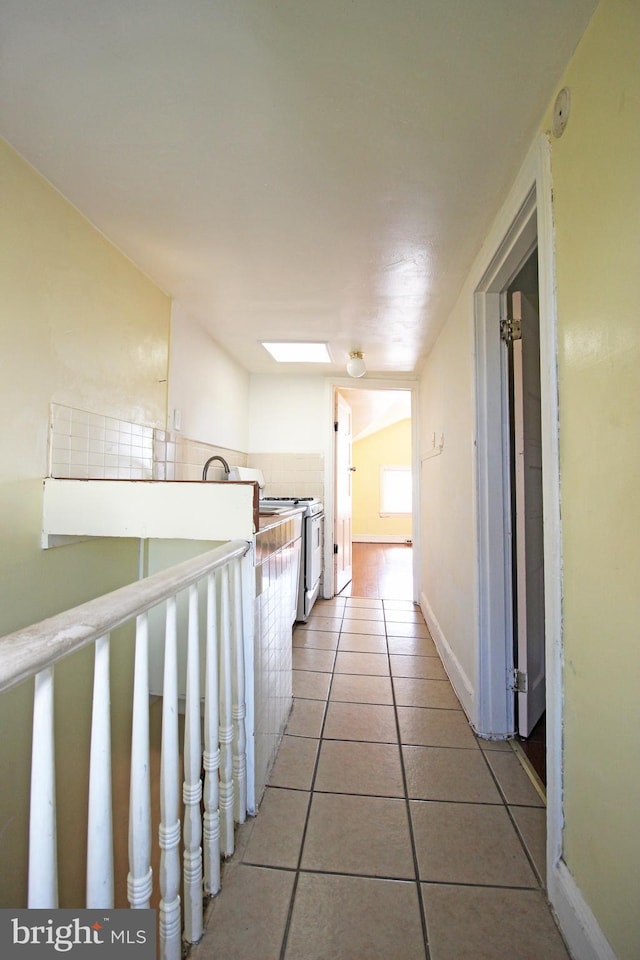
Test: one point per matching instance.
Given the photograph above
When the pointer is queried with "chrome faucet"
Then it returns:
(210, 460)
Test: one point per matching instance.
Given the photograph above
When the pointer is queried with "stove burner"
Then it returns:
(311, 505)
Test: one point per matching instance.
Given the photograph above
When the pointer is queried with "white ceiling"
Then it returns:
(373, 410)
(288, 169)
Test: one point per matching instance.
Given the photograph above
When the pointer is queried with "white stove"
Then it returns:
(312, 505)
(311, 552)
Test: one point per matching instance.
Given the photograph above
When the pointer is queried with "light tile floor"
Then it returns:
(387, 830)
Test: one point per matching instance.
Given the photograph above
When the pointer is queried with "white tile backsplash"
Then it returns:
(290, 474)
(85, 445)
(89, 446)
(178, 458)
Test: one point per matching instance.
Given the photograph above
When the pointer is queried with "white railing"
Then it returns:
(215, 709)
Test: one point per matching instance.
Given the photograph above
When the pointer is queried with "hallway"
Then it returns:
(387, 830)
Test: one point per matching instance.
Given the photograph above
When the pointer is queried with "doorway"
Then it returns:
(373, 471)
(520, 334)
(525, 221)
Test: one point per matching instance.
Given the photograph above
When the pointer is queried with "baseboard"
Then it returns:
(580, 929)
(459, 679)
(380, 538)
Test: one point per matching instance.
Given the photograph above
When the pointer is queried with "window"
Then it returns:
(395, 491)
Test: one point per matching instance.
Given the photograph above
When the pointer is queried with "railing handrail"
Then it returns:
(26, 652)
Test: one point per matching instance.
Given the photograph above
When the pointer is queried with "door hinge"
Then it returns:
(335, 425)
(510, 330)
(518, 681)
(335, 548)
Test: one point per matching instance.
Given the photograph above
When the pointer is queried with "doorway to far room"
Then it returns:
(373, 533)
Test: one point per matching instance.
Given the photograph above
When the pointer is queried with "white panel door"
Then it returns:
(342, 523)
(529, 545)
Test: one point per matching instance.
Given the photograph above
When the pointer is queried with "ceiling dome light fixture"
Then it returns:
(356, 366)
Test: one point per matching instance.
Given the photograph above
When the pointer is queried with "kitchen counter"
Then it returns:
(269, 519)
(277, 530)
(149, 509)
(156, 509)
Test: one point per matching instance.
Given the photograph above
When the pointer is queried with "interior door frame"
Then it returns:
(526, 218)
(523, 360)
(339, 448)
(348, 383)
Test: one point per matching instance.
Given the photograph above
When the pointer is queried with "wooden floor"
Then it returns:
(535, 748)
(381, 570)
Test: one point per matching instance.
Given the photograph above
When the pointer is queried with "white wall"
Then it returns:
(448, 567)
(207, 386)
(287, 414)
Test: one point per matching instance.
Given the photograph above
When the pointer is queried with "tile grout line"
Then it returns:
(503, 803)
(423, 916)
(366, 876)
(541, 882)
(503, 799)
(298, 870)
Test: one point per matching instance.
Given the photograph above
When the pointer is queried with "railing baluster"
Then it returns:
(43, 856)
(100, 817)
(192, 788)
(33, 651)
(211, 757)
(226, 724)
(140, 877)
(169, 832)
(238, 699)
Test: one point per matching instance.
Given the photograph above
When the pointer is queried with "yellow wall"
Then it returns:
(389, 447)
(596, 176)
(79, 325)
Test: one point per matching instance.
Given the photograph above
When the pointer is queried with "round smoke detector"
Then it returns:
(561, 111)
